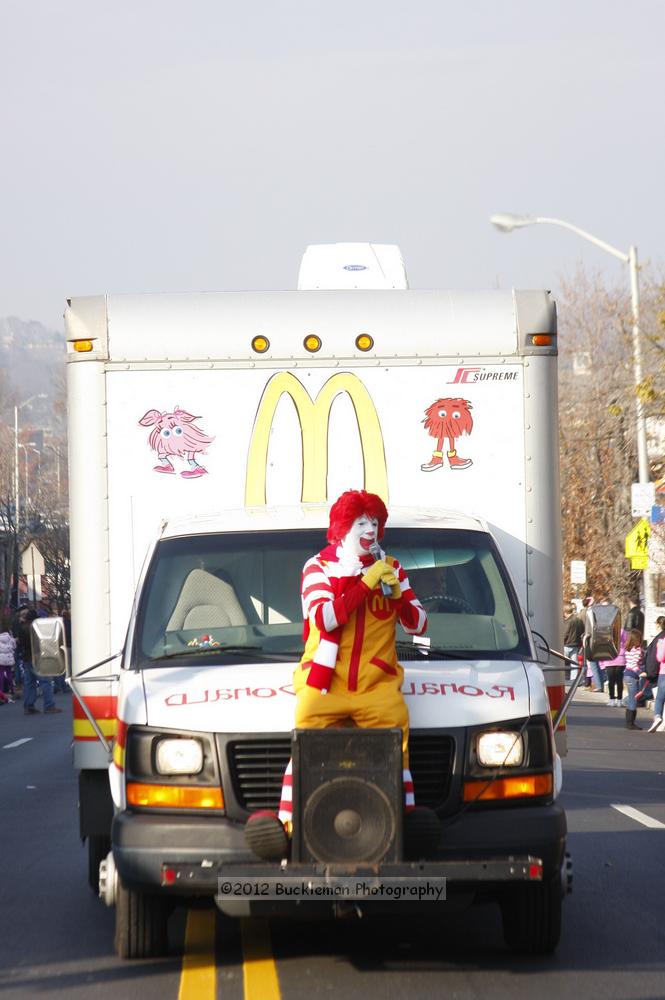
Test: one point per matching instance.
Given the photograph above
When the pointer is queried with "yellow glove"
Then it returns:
(377, 571)
(393, 582)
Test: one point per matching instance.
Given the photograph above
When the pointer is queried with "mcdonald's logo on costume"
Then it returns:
(314, 420)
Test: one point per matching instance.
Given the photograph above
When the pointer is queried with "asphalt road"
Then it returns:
(56, 937)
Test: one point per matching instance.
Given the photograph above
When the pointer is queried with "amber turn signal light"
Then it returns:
(174, 796)
(525, 786)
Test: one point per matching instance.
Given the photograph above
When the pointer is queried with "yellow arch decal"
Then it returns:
(314, 420)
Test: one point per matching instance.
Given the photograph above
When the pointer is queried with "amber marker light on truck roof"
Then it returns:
(364, 342)
(174, 796)
(260, 344)
(524, 786)
(82, 346)
(312, 343)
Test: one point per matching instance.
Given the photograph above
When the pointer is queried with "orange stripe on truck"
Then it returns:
(99, 706)
(557, 695)
(103, 710)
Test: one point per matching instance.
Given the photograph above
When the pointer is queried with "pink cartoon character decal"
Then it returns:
(448, 418)
(176, 434)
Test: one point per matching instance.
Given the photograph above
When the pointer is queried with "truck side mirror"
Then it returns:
(49, 649)
(604, 623)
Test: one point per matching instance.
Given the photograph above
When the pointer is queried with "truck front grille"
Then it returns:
(431, 760)
(257, 767)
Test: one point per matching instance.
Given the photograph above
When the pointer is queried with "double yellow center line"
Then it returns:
(198, 979)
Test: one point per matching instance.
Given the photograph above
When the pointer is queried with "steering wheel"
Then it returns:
(446, 602)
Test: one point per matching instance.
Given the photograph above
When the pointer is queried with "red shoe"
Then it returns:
(266, 837)
(194, 473)
(436, 463)
(168, 469)
(458, 463)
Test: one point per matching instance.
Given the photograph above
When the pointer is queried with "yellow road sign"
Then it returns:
(639, 562)
(637, 540)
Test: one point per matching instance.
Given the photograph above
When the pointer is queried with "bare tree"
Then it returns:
(597, 396)
(51, 537)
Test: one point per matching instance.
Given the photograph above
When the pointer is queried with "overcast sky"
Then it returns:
(164, 145)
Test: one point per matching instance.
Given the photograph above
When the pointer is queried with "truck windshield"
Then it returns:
(228, 598)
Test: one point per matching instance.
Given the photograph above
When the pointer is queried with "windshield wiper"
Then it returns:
(431, 652)
(198, 650)
(222, 650)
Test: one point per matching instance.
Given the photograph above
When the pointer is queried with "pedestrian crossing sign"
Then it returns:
(637, 542)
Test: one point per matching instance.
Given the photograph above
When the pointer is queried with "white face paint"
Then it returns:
(363, 532)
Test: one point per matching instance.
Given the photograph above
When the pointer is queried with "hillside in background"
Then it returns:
(32, 361)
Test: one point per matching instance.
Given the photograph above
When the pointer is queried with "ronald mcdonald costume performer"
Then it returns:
(353, 595)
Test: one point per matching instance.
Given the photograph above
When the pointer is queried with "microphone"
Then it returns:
(375, 551)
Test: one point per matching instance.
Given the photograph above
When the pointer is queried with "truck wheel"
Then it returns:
(98, 848)
(532, 917)
(141, 924)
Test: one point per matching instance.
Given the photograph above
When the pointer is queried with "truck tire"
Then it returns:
(141, 924)
(531, 916)
(98, 848)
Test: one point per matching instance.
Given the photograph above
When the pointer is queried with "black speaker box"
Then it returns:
(348, 797)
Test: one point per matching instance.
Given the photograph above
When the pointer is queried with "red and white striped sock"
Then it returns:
(286, 802)
(409, 798)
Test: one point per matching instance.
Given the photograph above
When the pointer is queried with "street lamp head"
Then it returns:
(37, 395)
(506, 222)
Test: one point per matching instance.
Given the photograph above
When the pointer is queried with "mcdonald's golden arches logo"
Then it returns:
(314, 420)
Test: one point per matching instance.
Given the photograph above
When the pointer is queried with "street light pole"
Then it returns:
(17, 514)
(17, 483)
(506, 222)
(641, 424)
(30, 446)
(26, 492)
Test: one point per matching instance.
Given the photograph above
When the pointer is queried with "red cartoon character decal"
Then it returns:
(176, 434)
(448, 418)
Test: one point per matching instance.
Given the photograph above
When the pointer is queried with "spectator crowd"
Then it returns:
(17, 676)
(635, 678)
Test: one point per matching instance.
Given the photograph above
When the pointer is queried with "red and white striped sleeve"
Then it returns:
(322, 603)
(412, 615)
(318, 596)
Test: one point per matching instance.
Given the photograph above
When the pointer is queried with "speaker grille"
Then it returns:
(257, 767)
(348, 819)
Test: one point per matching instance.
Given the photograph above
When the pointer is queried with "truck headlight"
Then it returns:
(179, 757)
(500, 749)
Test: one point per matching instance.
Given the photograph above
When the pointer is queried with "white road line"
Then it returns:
(16, 743)
(653, 824)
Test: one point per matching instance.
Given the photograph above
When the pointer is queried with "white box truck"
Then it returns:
(212, 431)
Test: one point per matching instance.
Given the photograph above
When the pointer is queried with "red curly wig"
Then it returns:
(351, 505)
